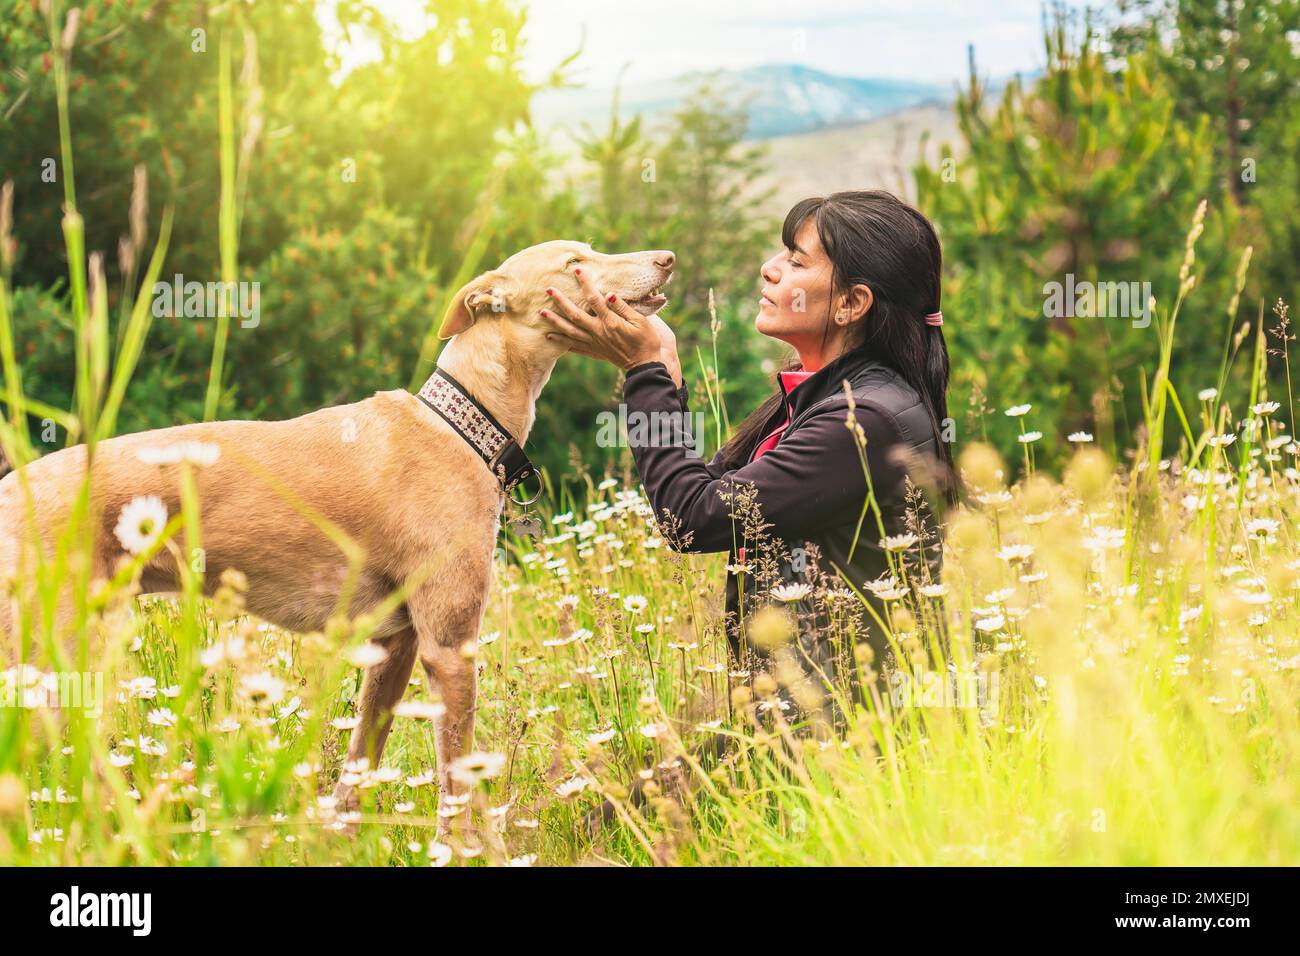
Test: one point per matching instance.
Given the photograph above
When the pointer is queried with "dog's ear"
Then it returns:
(483, 294)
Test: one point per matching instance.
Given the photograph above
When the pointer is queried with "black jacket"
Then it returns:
(810, 488)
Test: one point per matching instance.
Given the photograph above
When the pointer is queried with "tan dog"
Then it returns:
(387, 471)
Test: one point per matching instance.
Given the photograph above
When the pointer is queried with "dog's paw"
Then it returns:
(346, 798)
(347, 811)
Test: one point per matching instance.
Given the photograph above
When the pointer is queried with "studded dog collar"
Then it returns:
(474, 423)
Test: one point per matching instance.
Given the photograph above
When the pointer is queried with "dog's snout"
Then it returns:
(665, 260)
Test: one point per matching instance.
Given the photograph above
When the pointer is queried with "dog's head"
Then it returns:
(515, 292)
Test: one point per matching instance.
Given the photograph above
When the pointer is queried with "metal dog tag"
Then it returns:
(526, 525)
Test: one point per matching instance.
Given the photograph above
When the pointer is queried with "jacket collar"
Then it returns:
(824, 382)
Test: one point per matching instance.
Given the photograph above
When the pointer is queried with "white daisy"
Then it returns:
(195, 452)
(439, 854)
(1016, 552)
(150, 746)
(1262, 527)
(569, 788)
(140, 523)
(789, 593)
(162, 717)
(887, 588)
(420, 709)
(263, 688)
(140, 688)
(367, 655)
(472, 768)
(422, 779)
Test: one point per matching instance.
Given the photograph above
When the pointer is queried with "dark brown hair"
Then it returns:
(874, 238)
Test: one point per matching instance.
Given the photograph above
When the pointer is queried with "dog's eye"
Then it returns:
(573, 260)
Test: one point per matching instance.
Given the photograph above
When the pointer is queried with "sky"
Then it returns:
(901, 39)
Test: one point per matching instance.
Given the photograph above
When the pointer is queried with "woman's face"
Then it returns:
(796, 296)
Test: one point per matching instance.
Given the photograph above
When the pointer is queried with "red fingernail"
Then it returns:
(613, 296)
(550, 291)
(577, 271)
(544, 315)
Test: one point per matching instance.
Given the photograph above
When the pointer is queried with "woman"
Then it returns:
(855, 291)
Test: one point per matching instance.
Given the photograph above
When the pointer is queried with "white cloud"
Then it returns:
(904, 39)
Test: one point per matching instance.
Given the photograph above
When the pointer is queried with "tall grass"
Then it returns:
(1137, 627)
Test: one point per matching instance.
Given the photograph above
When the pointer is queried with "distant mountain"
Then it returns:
(782, 99)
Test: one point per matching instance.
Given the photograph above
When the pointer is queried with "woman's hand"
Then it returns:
(668, 348)
(610, 329)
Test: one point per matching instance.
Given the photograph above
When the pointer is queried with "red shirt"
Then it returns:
(789, 381)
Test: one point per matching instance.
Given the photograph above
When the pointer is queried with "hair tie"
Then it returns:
(934, 318)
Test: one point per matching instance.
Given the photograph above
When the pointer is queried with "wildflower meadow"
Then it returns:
(1106, 672)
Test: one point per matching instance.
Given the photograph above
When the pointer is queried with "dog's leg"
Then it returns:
(453, 679)
(448, 625)
(381, 690)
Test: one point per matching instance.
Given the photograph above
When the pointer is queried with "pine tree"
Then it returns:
(1087, 175)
